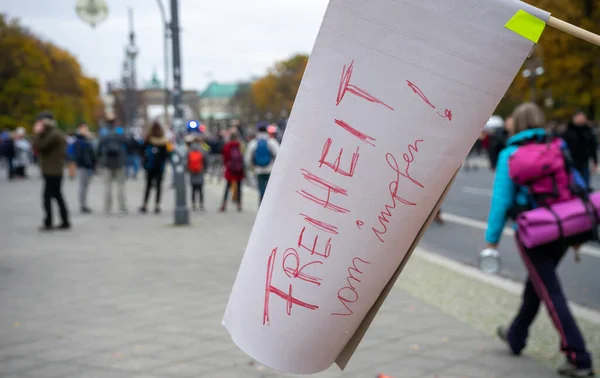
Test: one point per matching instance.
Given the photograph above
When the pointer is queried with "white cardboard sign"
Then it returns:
(393, 98)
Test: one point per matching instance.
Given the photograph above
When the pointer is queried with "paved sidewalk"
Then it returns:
(136, 297)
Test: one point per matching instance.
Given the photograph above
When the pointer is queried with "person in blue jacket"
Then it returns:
(7, 150)
(542, 281)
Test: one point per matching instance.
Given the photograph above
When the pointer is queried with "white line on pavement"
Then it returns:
(473, 223)
(479, 191)
(499, 282)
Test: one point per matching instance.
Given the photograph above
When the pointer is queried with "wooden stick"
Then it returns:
(574, 30)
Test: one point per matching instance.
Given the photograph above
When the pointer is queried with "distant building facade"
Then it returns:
(153, 95)
(215, 101)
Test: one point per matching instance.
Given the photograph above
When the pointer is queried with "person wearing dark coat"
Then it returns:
(51, 146)
(155, 156)
(582, 144)
(497, 143)
(8, 151)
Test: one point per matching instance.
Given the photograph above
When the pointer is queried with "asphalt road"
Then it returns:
(461, 238)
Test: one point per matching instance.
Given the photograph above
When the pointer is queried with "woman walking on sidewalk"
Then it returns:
(155, 157)
(233, 159)
(541, 262)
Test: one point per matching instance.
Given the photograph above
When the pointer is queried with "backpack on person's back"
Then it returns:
(195, 162)
(262, 154)
(236, 160)
(114, 150)
(150, 157)
(83, 154)
(545, 170)
(559, 207)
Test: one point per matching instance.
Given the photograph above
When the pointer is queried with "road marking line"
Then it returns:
(479, 191)
(515, 288)
(473, 223)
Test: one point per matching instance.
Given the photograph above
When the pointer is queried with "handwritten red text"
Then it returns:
(295, 271)
(323, 184)
(315, 244)
(386, 215)
(348, 293)
(336, 164)
(320, 225)
(345, 86)
(447, 113)
(270, 289)
(361, 136)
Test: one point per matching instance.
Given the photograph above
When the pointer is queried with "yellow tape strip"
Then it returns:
(526, 25)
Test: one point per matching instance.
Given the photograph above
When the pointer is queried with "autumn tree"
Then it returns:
(276, 91)
(571, 77)
(243, 103)
(36, 75)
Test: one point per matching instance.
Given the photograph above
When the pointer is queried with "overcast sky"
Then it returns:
(228, 39)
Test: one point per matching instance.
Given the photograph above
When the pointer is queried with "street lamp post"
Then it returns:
(166, 36)
(532, 75)
(131, 52)
(181, 210)
(126, 77)
(534, 68)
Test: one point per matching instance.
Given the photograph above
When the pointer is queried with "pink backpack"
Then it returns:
(541, 167)
(566, 212)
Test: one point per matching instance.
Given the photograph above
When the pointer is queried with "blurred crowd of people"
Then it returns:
(580, 134)
(239, 156)
(16, 149)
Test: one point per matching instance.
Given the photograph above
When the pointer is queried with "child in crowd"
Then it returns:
(197, 160)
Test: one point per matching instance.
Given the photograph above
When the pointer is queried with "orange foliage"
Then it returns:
(37, 75)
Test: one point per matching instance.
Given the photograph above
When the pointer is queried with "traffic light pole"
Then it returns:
(182, 216)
